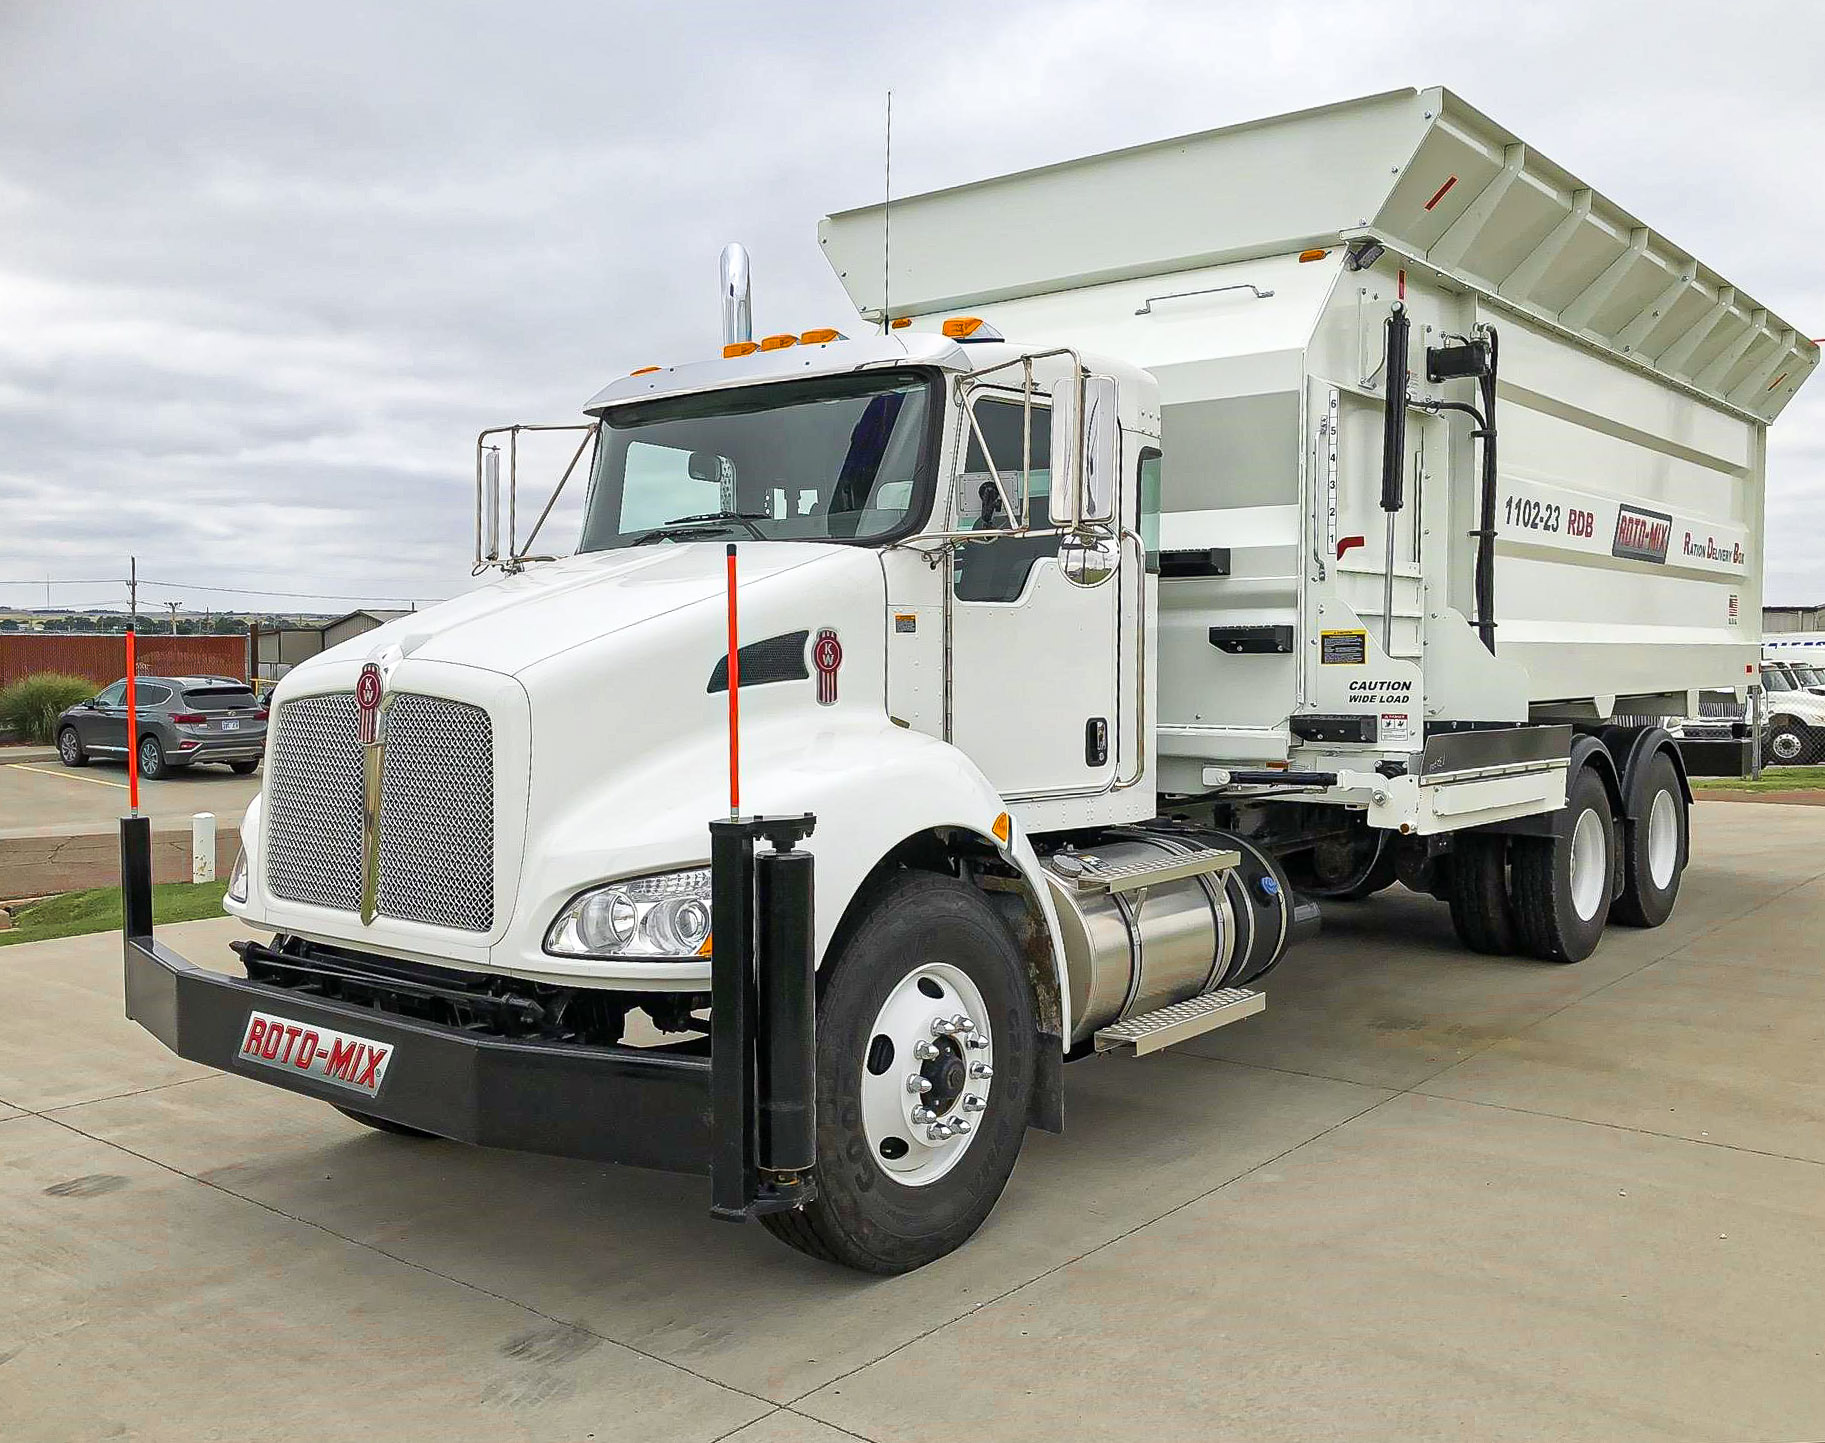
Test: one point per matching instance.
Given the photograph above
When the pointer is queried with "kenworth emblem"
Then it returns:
(370, 704)
(367, 702)
(827, 656)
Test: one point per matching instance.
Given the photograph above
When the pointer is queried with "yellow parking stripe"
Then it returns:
(67, 776)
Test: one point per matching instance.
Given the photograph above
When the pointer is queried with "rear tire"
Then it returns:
(1655, 849)
(151, 757)
(382, 1124)
(1478, 893)
(69, 748)
(244, 769)
(917, 929)
(1563, 884)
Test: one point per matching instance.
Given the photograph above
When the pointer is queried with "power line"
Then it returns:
(194, 586)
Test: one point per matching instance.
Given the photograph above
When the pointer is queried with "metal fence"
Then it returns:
(103, 658)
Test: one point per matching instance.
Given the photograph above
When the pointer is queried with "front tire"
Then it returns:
(1562, 885)
(69, 748)
(1654, 855)
(151, 755)
(1791, 745)
(895, 1192)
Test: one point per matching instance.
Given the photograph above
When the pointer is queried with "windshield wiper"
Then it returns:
(686, 524)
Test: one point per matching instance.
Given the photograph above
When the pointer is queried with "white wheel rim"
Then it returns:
(1590, 864)
(1786, 745)
(912, 1148)
(1663, 838)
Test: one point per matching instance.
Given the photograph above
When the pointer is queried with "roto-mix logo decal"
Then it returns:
(1642, 535)
(827, 656)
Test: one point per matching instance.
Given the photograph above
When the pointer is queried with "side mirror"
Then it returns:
(1086, 441)
(1088, 560)
(488, 507)
(704, 466)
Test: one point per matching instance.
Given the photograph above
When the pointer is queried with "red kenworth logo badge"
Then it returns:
(827, 656)
(367, 702)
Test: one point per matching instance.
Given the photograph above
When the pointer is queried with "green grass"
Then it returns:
(1774, 779)
(98, 910)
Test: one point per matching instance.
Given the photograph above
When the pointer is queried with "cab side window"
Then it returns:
(115, 695)
(998, 570)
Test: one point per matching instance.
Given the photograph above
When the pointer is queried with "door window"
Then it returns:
(998, 570)
(115, 695)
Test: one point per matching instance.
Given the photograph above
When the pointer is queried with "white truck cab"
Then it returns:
(1130, 588)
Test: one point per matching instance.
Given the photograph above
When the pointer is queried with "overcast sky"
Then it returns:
(266, 269)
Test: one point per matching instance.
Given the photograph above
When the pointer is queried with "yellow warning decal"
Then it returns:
(1343, 648)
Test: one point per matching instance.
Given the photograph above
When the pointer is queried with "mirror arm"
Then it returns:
(590, 433)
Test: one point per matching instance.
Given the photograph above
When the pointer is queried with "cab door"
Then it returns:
(1035, 652)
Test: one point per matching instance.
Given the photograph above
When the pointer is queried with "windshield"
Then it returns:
(1804, 675)
(1774, 679)
(838, 458)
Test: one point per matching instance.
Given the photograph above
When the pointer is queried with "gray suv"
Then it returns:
(182, 720)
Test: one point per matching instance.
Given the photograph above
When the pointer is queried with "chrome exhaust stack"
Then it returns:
(737, 295)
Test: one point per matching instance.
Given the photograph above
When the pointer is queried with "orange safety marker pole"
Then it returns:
(132, 725)
(734, 698)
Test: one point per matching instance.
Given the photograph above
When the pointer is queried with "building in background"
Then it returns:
(281, 648)
(1777, 619)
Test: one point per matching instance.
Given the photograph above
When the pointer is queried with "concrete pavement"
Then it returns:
(1426, 1195)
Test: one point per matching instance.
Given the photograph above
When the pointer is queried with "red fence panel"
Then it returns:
(103, 658)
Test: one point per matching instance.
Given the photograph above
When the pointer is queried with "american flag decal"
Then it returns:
(827, 656)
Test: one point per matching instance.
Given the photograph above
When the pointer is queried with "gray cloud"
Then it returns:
(265, 271)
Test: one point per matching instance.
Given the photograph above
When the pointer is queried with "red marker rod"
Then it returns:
(734, 697)
(132, 725)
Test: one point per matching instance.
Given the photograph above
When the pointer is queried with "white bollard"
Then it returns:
(202, 847)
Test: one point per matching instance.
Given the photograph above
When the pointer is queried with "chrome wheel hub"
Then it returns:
(927, 1074)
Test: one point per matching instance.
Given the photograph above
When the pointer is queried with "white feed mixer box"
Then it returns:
(1635, 386)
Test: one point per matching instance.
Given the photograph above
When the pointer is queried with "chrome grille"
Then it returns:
(437, 814)
(436, 809)
(313, 801)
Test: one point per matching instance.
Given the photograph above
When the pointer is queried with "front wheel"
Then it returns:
(1790, 744)
(152, 763)
(926, 1042)
(69, 748)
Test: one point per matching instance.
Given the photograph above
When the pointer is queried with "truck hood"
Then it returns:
(517, 622)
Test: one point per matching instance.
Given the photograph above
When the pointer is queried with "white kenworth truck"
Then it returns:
(1180, 535)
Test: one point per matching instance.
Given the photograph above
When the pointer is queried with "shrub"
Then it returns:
(30, 708)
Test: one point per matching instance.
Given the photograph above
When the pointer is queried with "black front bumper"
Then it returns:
(745, 1113)
(644, 1107)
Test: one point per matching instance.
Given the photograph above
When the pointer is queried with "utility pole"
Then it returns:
(133, 591)
(174, 605)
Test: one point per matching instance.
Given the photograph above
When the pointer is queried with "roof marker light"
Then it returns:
(739, 348)
(970, 328)
(1312, 255)
(821, 337)
(778, 343)
(643, 371)
(899, 323)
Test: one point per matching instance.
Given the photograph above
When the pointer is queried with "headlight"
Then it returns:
(237, 879)
(665, 917)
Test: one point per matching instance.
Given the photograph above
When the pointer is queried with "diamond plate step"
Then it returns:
(1150, 1031)
(1100, 876)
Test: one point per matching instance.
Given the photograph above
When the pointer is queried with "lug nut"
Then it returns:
(925, 1051)
(960, 1125)
(961, 1023)
(943, 1027)
(919, 1083)
(973, 1103)
(924, 1114)
(981, 1070)
(976, 1039)
(938, 1132)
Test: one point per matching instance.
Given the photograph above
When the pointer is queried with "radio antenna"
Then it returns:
(887, 214)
